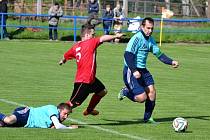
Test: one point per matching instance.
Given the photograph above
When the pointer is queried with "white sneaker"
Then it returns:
(121, 95)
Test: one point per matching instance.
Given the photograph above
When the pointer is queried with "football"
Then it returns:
(180, 124)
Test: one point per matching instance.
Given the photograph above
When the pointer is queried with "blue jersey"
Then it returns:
(140, 47)
(40, 117)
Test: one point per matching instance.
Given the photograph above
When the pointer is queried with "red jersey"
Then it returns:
(85, 54)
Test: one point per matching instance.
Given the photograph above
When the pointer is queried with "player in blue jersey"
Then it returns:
(138, 80)
(48, 116)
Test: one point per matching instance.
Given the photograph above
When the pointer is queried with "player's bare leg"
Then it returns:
(93, 102)
(8, 120)
(141, 97)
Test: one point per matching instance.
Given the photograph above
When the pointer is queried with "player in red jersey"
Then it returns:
(85, 81)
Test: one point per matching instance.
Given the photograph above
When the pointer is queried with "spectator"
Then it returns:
(3, 9)
(55, 13)
(134, 24)
(78, 3)
(118, 15)
(107, 19)
(93, 8)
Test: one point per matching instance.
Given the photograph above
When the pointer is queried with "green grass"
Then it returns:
(30, 75)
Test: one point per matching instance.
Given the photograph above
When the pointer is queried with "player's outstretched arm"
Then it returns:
(110, 37)
(62, 61)
(165, 59)
(58, 125)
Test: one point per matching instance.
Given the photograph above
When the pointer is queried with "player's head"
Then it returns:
(87, 31)
(64, 111)
(147, 26)
(118, 6)
(108, 7)
(92, 1)
(56, 4)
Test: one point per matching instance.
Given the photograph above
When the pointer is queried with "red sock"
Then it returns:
(93, 102)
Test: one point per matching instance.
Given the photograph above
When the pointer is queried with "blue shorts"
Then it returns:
(137, 86)
(21, 114)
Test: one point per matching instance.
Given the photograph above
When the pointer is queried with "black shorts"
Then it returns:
(21, 114)
(82, 90)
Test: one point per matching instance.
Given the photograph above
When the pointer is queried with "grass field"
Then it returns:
(30, 75)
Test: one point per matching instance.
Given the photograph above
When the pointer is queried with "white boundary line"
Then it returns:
(84, 123)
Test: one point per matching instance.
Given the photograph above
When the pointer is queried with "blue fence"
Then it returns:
(76, 28)
(75, 18)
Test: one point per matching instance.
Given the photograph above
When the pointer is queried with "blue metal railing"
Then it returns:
(75, 28)
(75, 18)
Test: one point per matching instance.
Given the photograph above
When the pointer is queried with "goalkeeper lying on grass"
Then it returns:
(48, 116)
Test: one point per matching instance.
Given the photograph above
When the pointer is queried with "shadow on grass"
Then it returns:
(69, 38)
(140, 121)
(16, 32)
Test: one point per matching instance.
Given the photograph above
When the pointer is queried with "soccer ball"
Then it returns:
(180, 124)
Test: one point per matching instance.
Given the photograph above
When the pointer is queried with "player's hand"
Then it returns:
(119, 35)
(53, 127)
(137, 74)
(175, 64)
(74, 126)
(62, 61)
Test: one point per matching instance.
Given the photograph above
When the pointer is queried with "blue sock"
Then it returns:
(2, 116)
(128, 94)
(149, 107)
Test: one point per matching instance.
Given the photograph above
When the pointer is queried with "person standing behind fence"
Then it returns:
(3, 9)
(93, 8)
(55, 13)
(118, 15)
(107, 19)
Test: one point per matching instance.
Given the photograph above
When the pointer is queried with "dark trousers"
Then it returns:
(107, 28)
(53, 28)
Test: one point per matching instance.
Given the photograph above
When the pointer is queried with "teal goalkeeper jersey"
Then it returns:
(40, 117)
(141, 47)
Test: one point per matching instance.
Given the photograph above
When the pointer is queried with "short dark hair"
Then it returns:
(151, 20)
(86, 28)
(62, 106)
(56, 3)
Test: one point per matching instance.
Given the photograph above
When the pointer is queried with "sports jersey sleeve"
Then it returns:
(95, 42)
(70, 54)
(131, 52)
(58, 125)
(154, 48)
(157, 52)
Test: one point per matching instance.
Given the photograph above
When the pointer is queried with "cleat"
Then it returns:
(121, 95)
(150, 121)
(94, 113)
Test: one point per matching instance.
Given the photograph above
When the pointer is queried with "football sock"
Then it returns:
(93, 102)
(149, 107)
(2, 116)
